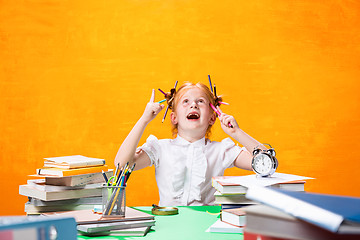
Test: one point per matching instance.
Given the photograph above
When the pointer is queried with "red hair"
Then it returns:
(176, 95)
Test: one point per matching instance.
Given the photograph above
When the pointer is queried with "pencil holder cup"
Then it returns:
(113, 201)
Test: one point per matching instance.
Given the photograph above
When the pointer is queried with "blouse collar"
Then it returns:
(183, 142)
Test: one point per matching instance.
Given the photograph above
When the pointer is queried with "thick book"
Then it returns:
(102, 227)
(60, 172)
(76, 201)
(270, 223)
(235, 216)
(75, 161)
(223, 227)
(258, 236)
(30, 191)
(40, 185)
(90, 217)
(225, 187)
(31, 209)
(231, 198)
(77, 180)
(335, 213)
(230, 206)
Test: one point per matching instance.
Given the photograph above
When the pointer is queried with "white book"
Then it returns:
(234, 216)
(77, 180)
(101, 227)
(40, 185)
(30, 191)
(140, 232)
(32, 209)
(222, 227)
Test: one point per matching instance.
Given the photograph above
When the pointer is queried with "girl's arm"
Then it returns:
(127, 151)
(244, 159)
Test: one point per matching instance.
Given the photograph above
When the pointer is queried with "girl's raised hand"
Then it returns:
(152, 109)
(228, 122)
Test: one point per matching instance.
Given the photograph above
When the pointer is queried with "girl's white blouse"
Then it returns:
(183, 170)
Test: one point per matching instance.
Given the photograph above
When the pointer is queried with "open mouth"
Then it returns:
(193, 116)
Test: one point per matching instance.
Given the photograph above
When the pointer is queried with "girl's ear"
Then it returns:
(212, 119)
(173, 118)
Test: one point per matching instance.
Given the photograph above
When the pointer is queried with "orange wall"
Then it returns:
(76, 75)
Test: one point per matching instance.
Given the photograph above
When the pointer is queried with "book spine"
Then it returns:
(86, 164)
(71, 172)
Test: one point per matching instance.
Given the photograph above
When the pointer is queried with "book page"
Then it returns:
(276, 178)
(73, 159)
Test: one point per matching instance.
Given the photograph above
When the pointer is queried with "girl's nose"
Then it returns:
(194, 104)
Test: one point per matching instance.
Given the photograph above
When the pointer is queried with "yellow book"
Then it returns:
(61, 172)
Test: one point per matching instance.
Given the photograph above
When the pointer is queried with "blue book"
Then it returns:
(339, 214)
(38, 227)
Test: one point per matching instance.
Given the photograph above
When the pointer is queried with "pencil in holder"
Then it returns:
(113, 201)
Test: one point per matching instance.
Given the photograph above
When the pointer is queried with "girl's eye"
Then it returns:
(185, 101)
(201, 101)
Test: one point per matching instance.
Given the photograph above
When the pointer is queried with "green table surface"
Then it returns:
(190, 223)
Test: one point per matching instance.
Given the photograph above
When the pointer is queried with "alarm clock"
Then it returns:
(264, 162)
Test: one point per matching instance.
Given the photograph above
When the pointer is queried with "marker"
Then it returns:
(224, 103)
(162, 101)
(214, 108)
(219, 113)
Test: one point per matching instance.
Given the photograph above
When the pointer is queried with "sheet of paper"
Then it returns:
(264, 181)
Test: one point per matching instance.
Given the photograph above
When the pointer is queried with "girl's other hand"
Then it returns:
(152, 109)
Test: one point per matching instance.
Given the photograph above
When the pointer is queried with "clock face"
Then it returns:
(262, 164)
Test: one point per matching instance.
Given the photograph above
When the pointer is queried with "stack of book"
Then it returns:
(90, 223)
(301, 215)
(231, 190)
(65, 183)
(231, 196)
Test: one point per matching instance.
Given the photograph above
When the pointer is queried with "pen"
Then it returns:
(167, 108)
(117, 169)
(122, 174)
(129, 172)
(162, 92)
(210, 84)
(105, 177)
